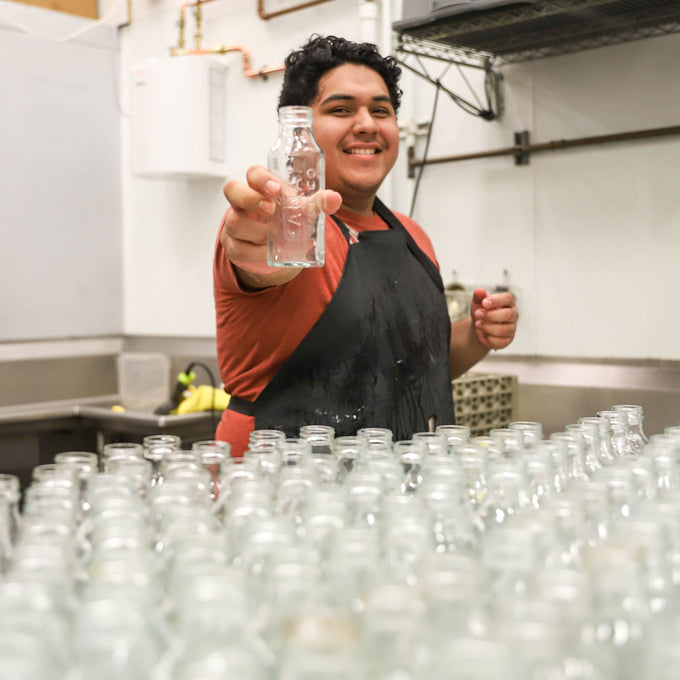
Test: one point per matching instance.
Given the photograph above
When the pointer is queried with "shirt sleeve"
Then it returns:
(223, 270)
(225, 279)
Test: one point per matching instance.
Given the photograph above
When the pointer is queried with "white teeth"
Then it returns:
(362, 152)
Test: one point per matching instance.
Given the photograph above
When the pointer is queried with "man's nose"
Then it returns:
(364, 121)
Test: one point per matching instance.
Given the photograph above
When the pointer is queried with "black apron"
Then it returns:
(379, 354)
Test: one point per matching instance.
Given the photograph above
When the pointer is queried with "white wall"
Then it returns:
(60, 198)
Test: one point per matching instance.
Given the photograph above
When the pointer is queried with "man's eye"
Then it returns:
(340, 110)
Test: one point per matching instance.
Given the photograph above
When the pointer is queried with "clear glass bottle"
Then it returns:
(346, 450)
(617, 423)
(600, 430)
(296, 229)
(621, 610)
(211, 456)
(664, 452)
(437, 442)
(393, 619)
(532, 432)
(122, 450)
(154, 447)
(113, 641)
(139, 470)
(509, 442)
(589, 434)
(410, 453)
(574, 450)
(321, 458)
(10, 495)
(455, 434)
(540, 472)
(636, 435)
(473, 464)
(506, 492)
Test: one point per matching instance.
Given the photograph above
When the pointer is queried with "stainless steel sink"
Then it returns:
(97, 413)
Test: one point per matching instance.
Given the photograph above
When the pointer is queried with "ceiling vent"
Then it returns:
(519, 31)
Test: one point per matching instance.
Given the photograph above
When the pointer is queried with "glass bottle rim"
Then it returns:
(295, 113)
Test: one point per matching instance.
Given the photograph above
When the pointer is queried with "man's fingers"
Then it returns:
(247, 227)
(496, 343)
(479, 295)
(499, 315)
(263, 180)
(258, 195)
(243, 253)
(328, 201)
(243, 198)
(331, 202)
(496, 300)
(497, 330)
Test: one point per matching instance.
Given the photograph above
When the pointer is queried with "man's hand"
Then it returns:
(494, 318)
(244, 235)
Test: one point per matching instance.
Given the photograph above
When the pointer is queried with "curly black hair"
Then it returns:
(305, 68)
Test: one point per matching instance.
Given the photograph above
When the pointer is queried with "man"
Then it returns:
(364, 341)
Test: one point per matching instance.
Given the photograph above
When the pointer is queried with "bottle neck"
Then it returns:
(295, 116)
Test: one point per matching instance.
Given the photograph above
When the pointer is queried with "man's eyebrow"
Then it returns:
(349, 97)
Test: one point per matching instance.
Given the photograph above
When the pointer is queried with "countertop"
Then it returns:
(97, 412)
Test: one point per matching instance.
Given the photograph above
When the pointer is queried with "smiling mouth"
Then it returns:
(361, 152)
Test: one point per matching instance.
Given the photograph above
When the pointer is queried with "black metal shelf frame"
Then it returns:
(523, 31)
(409, 50)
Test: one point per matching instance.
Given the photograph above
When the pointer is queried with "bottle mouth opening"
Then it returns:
(303, 113)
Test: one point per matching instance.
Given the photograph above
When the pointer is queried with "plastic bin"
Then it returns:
(143, 380)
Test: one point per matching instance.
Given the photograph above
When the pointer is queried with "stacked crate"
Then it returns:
(484, 401)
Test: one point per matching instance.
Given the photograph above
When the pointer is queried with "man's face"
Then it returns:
(356, 126)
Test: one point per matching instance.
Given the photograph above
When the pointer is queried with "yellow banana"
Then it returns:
(203, 398)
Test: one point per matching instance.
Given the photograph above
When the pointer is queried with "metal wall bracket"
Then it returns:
(522, 152)
(408, 51)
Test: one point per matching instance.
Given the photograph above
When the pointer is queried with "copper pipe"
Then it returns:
(180, 41)
(181, 51)
(524, 149)
(270, 15)
(198, 37)
(184, 5)
(223, 49)
(198, 14)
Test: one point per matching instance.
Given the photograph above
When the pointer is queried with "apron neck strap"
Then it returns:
(342, 226)
(388, 216)
(393, 223)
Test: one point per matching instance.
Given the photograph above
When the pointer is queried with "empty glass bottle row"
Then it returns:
(512, 556)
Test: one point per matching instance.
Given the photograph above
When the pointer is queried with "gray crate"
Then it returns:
(484, 401)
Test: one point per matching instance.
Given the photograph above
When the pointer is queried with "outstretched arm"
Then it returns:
(491, 325)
